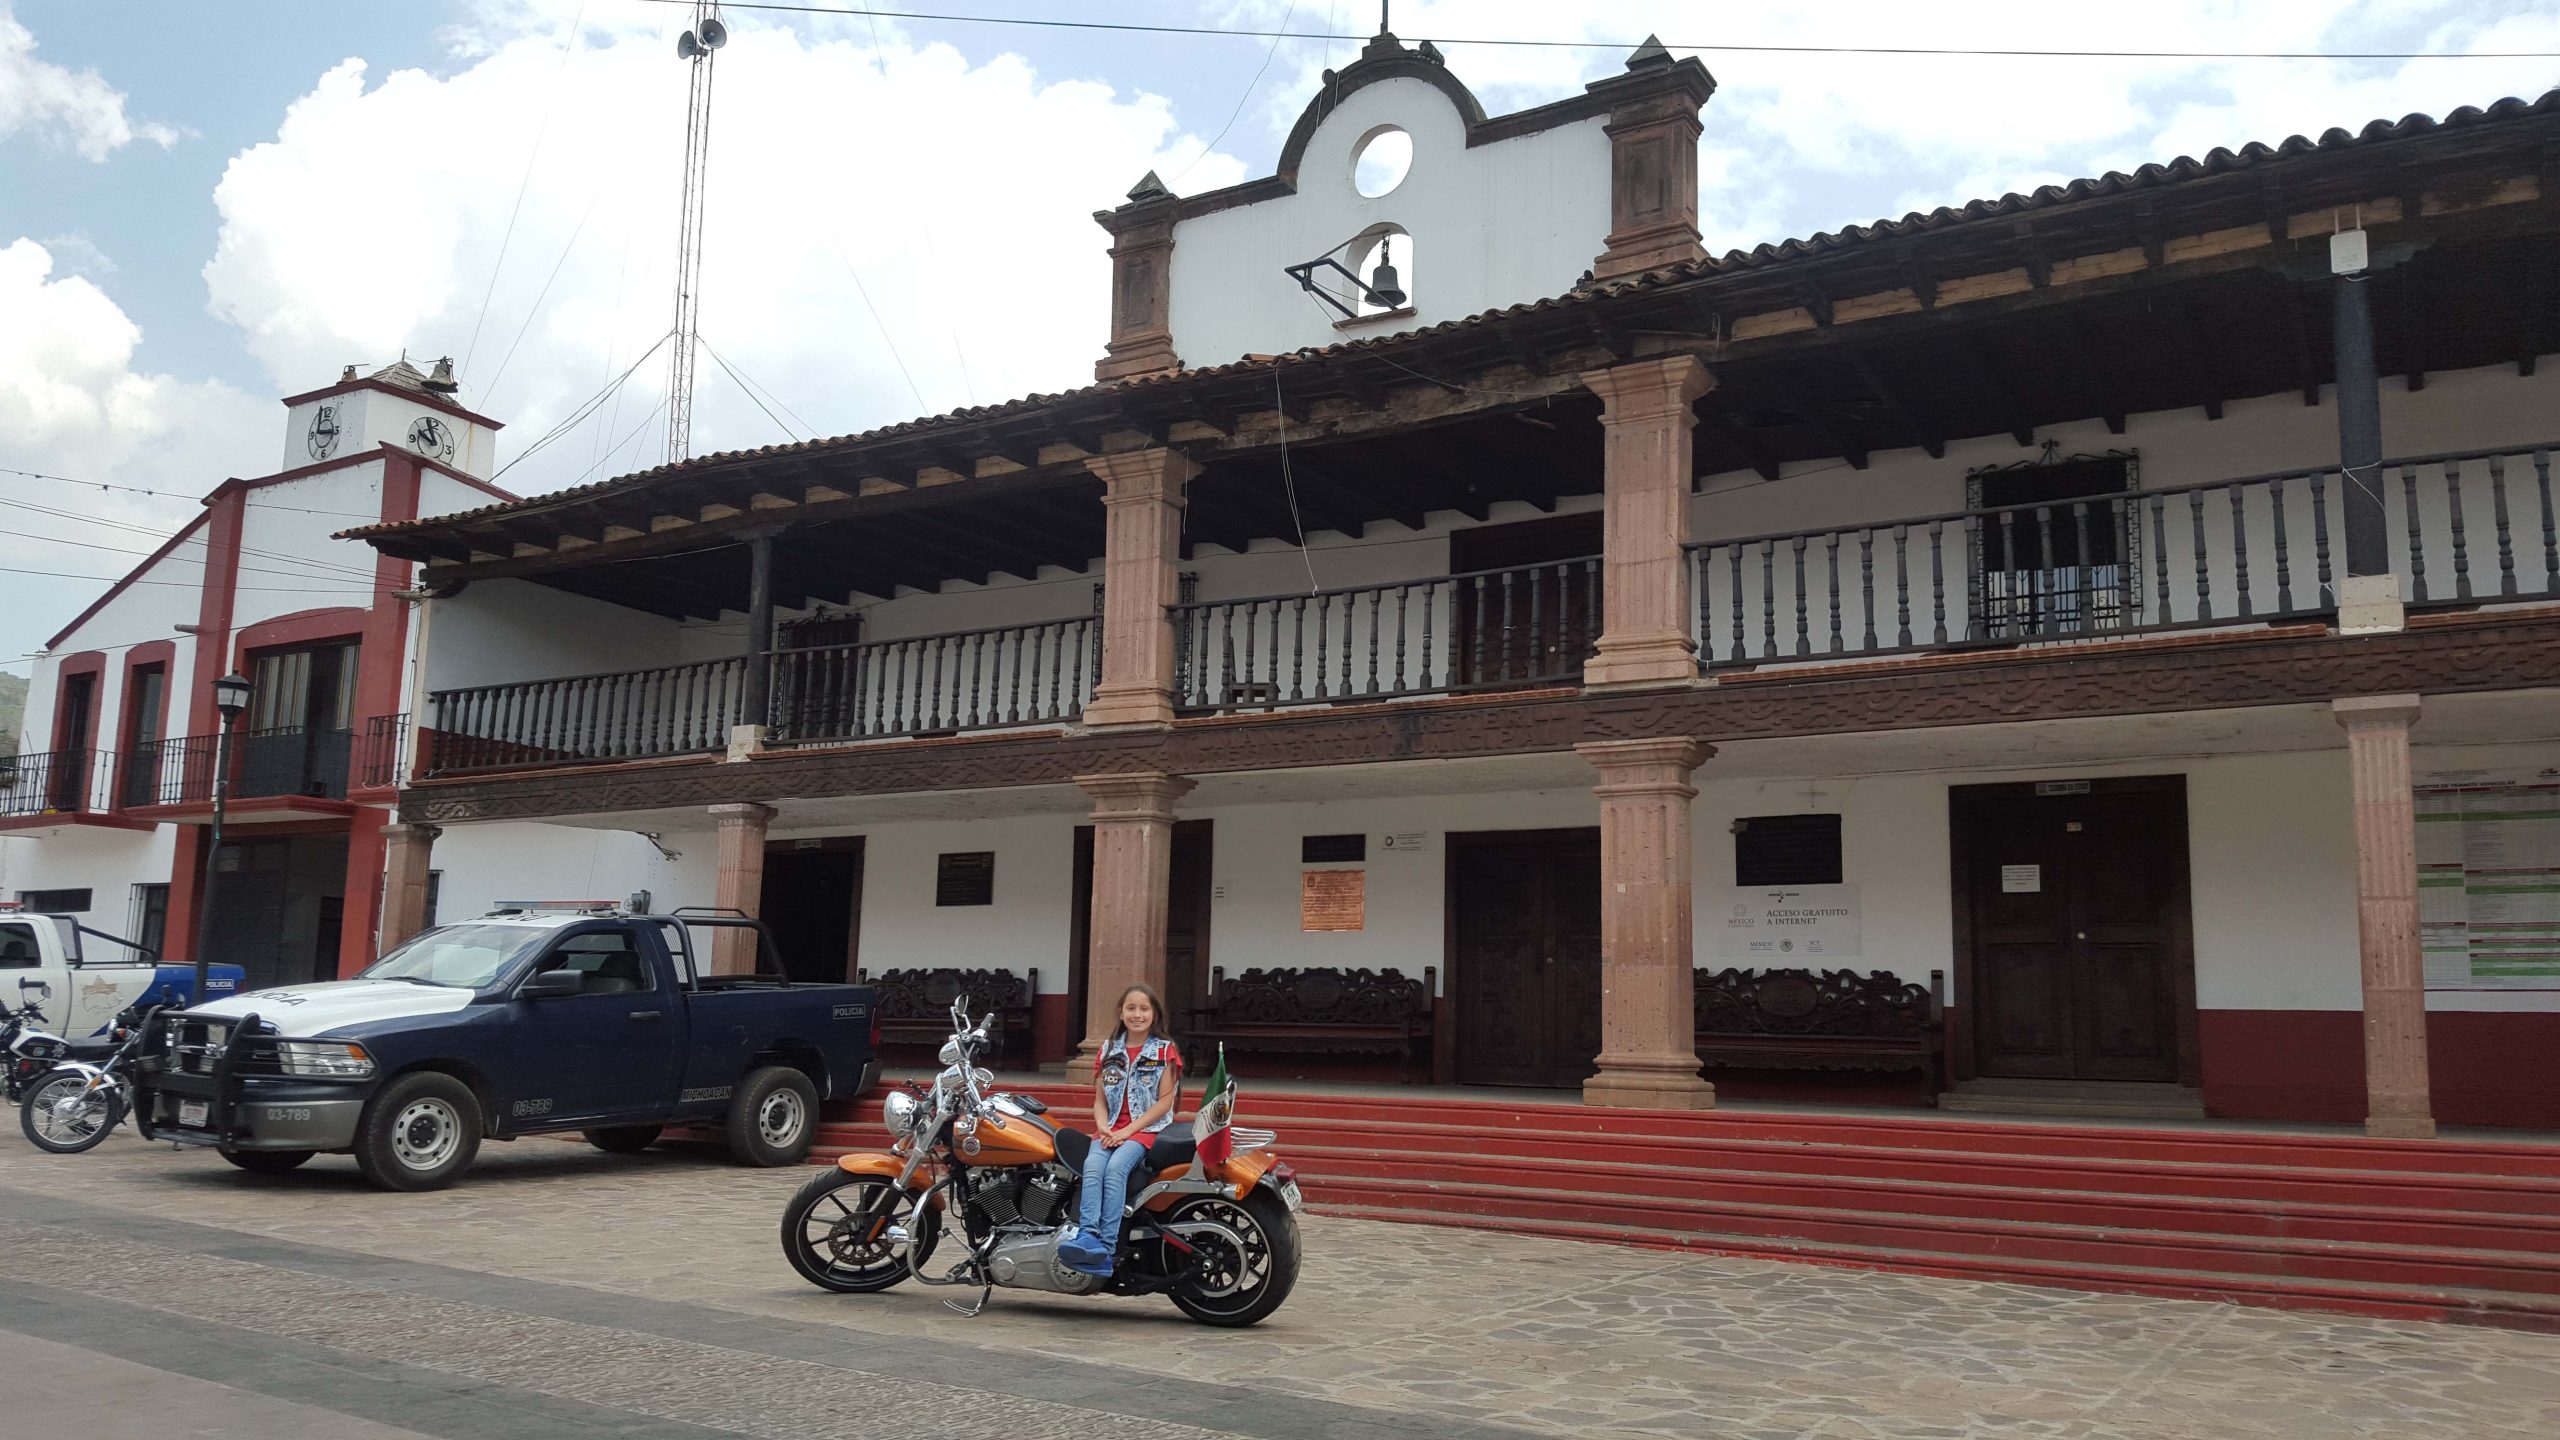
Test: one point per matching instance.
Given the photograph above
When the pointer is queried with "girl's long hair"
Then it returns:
(1120, 1033)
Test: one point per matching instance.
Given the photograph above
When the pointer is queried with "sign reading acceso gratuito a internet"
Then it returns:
(1786, 922)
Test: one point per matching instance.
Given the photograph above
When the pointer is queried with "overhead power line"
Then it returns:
(75, 517)
(176, 495)
(1996, 52)
(182, 584)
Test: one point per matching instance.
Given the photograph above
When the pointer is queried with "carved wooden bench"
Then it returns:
(1831, 1020)
(1324, 1010)
(915, 1005)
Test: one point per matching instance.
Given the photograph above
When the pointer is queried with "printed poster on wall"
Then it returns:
(1332, 899)
(1787, 924)
(2489, 881)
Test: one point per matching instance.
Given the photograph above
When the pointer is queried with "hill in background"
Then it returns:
(13, 703)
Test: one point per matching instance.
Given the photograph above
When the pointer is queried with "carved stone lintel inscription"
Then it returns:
(2500, 652)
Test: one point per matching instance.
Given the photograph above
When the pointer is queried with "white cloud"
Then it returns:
(960, 194)
(72, 404)
(76, 109)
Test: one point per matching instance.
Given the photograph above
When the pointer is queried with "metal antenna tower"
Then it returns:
(699, 47)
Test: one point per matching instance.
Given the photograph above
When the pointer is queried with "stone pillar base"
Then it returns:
(1641, 1083)
(745, 742)
(1651, 661)
(2400, 1127)
(1118, 707)
(2370, 605)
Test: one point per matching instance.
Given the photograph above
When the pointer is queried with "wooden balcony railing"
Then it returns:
(382, 757)
(2262, 549)
(55, 782)
(965, 680)
(1515, 628)
(622, 715)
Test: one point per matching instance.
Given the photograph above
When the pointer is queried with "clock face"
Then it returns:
(432, 438)
(323, 439)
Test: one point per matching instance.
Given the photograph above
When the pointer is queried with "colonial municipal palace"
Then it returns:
(2094, 652)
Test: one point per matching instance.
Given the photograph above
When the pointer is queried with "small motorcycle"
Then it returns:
(74, 1104)
(1211, 1223)
(26, 1051)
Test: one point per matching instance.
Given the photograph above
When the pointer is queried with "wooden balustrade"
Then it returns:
(1034, 674)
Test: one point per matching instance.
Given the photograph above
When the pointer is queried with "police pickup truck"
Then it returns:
(526, 1021)
(84, 978)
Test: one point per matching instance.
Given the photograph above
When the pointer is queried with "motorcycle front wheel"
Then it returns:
(62, 1114)
(1247, 1252)
(836, 1232)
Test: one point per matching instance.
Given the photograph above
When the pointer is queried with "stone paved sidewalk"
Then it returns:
(1407, 1325)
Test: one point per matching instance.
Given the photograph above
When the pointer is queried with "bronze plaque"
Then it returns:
(1332, 899)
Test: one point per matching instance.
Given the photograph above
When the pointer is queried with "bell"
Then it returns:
(714, 34)
(1384, 285)
(442, 381)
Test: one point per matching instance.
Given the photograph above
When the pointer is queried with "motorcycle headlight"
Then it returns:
(901, 1111)
(323, 1059)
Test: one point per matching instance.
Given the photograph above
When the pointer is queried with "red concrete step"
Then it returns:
(2386, 1301)
(2484, 1270)
(2262, 1184)
(2378, 1223)
(1926, 1131)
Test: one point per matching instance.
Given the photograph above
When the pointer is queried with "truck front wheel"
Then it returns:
(773, 1117)
(419, 1133)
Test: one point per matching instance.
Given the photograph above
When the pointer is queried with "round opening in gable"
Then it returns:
(1381, 160)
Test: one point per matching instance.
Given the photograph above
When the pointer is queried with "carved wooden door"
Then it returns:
(2076, 904)
(1525, 956)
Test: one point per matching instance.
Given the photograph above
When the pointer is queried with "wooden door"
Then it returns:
(812, 902)
(2074, 917)
(1524, 956)
(1524, 627)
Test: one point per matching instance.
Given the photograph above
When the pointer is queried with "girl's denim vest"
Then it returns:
(1144, 1081)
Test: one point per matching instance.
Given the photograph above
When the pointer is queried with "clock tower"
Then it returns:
(418, 411)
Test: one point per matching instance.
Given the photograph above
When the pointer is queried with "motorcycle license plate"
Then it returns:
(1289, 1193)
(193, 1113)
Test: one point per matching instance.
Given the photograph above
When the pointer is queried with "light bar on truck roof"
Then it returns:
(578, 907)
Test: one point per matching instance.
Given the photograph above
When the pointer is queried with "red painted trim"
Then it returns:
(328, 815)
(163, 653)
(345, 387)
(130, 576)
(360, 912)
(2485, 1067)
(386, 630)
(302, 627)
(224, 510)
(186, 878)
(92, 663)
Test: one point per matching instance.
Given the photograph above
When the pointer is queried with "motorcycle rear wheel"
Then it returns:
(1250, 1259)
(835, 1232)
(68, 1132)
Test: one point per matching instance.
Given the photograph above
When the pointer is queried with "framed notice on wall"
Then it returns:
(1332, 899)
(2489, 882)
(1785, 925)
(965, 877)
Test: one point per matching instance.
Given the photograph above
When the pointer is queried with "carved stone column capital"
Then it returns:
(742, 812)
(1651, 766)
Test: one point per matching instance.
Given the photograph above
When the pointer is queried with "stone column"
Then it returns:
(1653, 161)
(408, 854)
(1649, 429)
(1648, 1042)
(1142, 504)
(1132, 881)
(741, 883)
(1141, 283)
(2395, 996)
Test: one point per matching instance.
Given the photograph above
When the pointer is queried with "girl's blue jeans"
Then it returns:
(1105, 1191)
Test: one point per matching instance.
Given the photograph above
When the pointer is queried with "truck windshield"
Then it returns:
(469, 956)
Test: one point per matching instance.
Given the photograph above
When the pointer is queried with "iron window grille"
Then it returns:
(2055, 546)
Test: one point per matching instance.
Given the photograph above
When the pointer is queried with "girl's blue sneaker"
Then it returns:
(1084, 1254)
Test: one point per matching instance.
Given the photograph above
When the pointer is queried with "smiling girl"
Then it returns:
(1137, 1081)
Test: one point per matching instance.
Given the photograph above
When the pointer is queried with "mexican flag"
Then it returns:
(1211, 1128)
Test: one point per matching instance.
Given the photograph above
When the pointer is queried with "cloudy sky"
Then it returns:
(205, 207)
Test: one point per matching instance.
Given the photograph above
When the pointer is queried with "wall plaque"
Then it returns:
(1332, 899)
(1778, 924)
(1332, 849)
(965, 877)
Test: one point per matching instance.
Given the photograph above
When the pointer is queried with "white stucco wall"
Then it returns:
(107, 863)
(502, 630)
(369, 417)
(296, 518)
(1027, 926)
(1503, 223)
(483, 864)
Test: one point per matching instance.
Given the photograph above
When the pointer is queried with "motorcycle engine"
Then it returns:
(1030, 1262)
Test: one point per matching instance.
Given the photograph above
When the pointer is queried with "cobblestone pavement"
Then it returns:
(575, 1293)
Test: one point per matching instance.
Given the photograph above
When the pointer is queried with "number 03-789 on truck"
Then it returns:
(522, 1022)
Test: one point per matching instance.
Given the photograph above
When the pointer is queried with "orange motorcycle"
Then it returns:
(1211, 1224)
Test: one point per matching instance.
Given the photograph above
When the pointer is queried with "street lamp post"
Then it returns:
(230, 697)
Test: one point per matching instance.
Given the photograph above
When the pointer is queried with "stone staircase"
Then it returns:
(2457, 1230)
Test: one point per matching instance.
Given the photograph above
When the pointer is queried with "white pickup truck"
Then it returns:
(83, 977)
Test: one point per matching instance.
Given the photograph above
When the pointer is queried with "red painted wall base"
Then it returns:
(2486, 1068)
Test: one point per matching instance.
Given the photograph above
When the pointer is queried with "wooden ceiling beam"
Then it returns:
(1733, 437)
(1929, 437)
(1988, 374)
(1009, 557)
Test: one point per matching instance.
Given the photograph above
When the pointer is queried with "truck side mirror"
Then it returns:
(550, 984)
